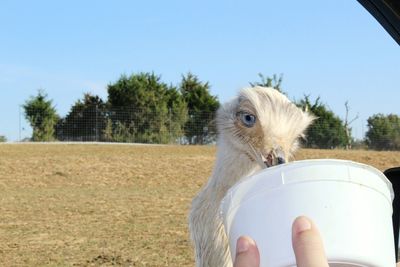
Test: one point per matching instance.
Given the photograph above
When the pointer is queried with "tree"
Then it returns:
(267, 81)
(177, 112)
(86, 120)
(200, 127)
(383, 132)
(146, 108)
(347, 123)
(327, 131)
(3, 139)
(42, 116)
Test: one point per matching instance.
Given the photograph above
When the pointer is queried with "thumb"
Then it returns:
(307, 244)
(247, 254)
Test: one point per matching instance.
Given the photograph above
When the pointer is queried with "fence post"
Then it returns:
(97, 128)
(19, 124)
(170, 125)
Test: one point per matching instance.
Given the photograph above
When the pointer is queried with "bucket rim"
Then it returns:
(278, 172)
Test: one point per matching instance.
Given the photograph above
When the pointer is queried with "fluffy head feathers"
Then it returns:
(264, 124)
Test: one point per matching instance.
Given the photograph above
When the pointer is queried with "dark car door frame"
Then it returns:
(387, 13)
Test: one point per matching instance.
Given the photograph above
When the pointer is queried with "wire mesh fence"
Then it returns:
(126, 124)
(166, 126)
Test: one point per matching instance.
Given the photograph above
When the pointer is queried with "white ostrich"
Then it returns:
(258, 129)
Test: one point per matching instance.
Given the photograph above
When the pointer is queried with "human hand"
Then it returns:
(306, 241)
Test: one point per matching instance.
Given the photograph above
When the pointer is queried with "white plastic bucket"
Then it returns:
(351, 204)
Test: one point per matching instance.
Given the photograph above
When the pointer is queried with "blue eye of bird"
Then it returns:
(247, 119)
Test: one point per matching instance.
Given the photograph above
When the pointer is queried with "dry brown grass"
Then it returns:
(92, 205)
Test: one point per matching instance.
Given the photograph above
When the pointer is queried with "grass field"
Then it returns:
(107, 205)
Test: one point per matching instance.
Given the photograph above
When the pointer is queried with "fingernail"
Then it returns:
(301, 224)
(243, 244)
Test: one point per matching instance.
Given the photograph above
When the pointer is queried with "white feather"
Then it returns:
(242, 151)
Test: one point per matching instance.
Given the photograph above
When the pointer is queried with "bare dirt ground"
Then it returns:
(110, 205)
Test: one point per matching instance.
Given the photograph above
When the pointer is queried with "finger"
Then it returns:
(307, 244)
(247, 254)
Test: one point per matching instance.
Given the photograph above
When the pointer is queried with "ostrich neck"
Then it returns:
(231, 165)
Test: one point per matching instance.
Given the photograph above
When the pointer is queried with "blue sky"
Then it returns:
(331, 49)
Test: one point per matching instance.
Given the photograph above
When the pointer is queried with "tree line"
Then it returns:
(139, 108)
(142, 108)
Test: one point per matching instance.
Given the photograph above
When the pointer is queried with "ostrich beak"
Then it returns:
(274, 157)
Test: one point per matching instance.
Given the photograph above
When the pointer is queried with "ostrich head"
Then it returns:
(263, 124)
